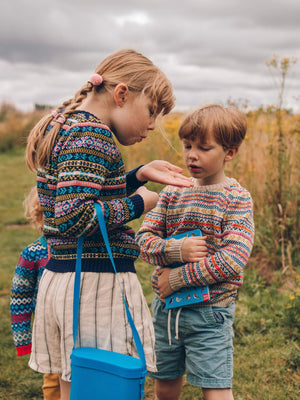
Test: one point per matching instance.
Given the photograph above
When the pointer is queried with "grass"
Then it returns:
(267, 324)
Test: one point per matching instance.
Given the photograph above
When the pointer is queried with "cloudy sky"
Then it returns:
(211, 50)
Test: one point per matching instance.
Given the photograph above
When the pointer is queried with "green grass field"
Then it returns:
(267, 324)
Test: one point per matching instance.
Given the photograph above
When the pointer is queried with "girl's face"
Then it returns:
(133, 119)
(206, 162)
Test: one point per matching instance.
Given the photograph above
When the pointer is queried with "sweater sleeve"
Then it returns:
(227, 263)
(22, 301)
(90, 169)
(132, 183)
(151, 237)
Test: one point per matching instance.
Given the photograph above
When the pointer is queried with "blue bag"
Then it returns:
(100, 374)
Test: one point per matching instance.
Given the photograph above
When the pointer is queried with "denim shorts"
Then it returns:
(197, 341)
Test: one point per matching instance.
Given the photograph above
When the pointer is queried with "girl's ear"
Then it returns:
(120, 94)
(231, 153)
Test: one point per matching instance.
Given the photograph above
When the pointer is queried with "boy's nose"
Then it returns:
(192, 154)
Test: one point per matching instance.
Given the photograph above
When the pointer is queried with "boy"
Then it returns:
(198, 339)
(24, 289)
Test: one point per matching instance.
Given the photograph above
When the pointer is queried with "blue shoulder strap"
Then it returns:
(102, 225)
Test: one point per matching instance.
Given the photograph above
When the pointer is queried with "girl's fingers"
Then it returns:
(173, 167)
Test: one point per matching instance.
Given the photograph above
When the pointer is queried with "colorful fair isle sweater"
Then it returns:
(24, 289)
(224, 213)
(85, 167)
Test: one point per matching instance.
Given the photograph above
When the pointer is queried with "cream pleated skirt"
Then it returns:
(102, 319)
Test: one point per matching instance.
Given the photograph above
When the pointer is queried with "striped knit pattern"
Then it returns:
(224, 213)
(24, 289)
(86, 167)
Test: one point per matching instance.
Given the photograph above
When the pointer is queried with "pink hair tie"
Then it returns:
(60, 119)
(96, 79)
(54, 113)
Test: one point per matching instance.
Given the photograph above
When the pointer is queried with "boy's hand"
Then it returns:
(163, 172)
(150, 198)
(193, 248)
(163, 282)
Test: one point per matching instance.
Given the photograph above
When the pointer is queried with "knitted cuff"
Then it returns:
(173, 250)
(176, 280)
(138, 204)
(23, 350)
(132, 183)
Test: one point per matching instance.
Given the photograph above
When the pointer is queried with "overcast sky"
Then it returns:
(211, 50)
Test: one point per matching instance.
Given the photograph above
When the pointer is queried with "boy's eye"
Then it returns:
(204, 148)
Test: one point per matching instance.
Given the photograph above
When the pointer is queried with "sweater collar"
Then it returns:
(227, 182)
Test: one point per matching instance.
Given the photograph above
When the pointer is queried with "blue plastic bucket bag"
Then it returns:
(100, 374)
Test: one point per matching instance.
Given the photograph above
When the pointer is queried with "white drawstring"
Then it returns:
(169, 326)
(176, 325)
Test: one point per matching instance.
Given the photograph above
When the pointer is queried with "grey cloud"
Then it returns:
(208, 48)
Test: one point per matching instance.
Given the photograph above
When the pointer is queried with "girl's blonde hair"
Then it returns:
(33, 209)
(124, 66)
(228, 125)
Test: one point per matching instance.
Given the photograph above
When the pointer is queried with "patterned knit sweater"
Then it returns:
(85, 167)
(24, 289)
(224, 214)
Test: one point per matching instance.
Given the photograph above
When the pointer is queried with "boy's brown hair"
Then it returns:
(33, 210)
(228, 125)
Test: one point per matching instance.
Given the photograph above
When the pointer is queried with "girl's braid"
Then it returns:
(70, 105)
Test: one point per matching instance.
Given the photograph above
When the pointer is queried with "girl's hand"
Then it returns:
(163, 282)
(193, 248)
(150, 198)
(163, 172)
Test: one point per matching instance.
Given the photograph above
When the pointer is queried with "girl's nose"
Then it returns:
(151, 124)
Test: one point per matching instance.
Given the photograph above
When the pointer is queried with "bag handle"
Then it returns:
(136, 336)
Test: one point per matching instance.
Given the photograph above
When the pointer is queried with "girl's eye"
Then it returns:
(151, 112)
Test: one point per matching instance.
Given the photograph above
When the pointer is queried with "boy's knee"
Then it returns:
(217, 394)
(168, 389)
(166, 395)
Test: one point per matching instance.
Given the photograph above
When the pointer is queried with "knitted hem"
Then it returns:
(91, 265)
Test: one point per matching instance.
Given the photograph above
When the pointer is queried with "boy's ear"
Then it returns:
(120, 94)
(231, 153)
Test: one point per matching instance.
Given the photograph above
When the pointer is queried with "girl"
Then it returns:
(28, 272)
(78, 163)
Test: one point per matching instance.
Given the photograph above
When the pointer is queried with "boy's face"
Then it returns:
(206, 161)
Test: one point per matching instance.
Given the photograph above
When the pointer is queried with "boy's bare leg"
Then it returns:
(168, 389)
(217, 394)
(65, 388)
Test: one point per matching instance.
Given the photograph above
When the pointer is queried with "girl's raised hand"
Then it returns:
(163, 172)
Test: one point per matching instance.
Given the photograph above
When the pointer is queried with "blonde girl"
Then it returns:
(78, 163)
